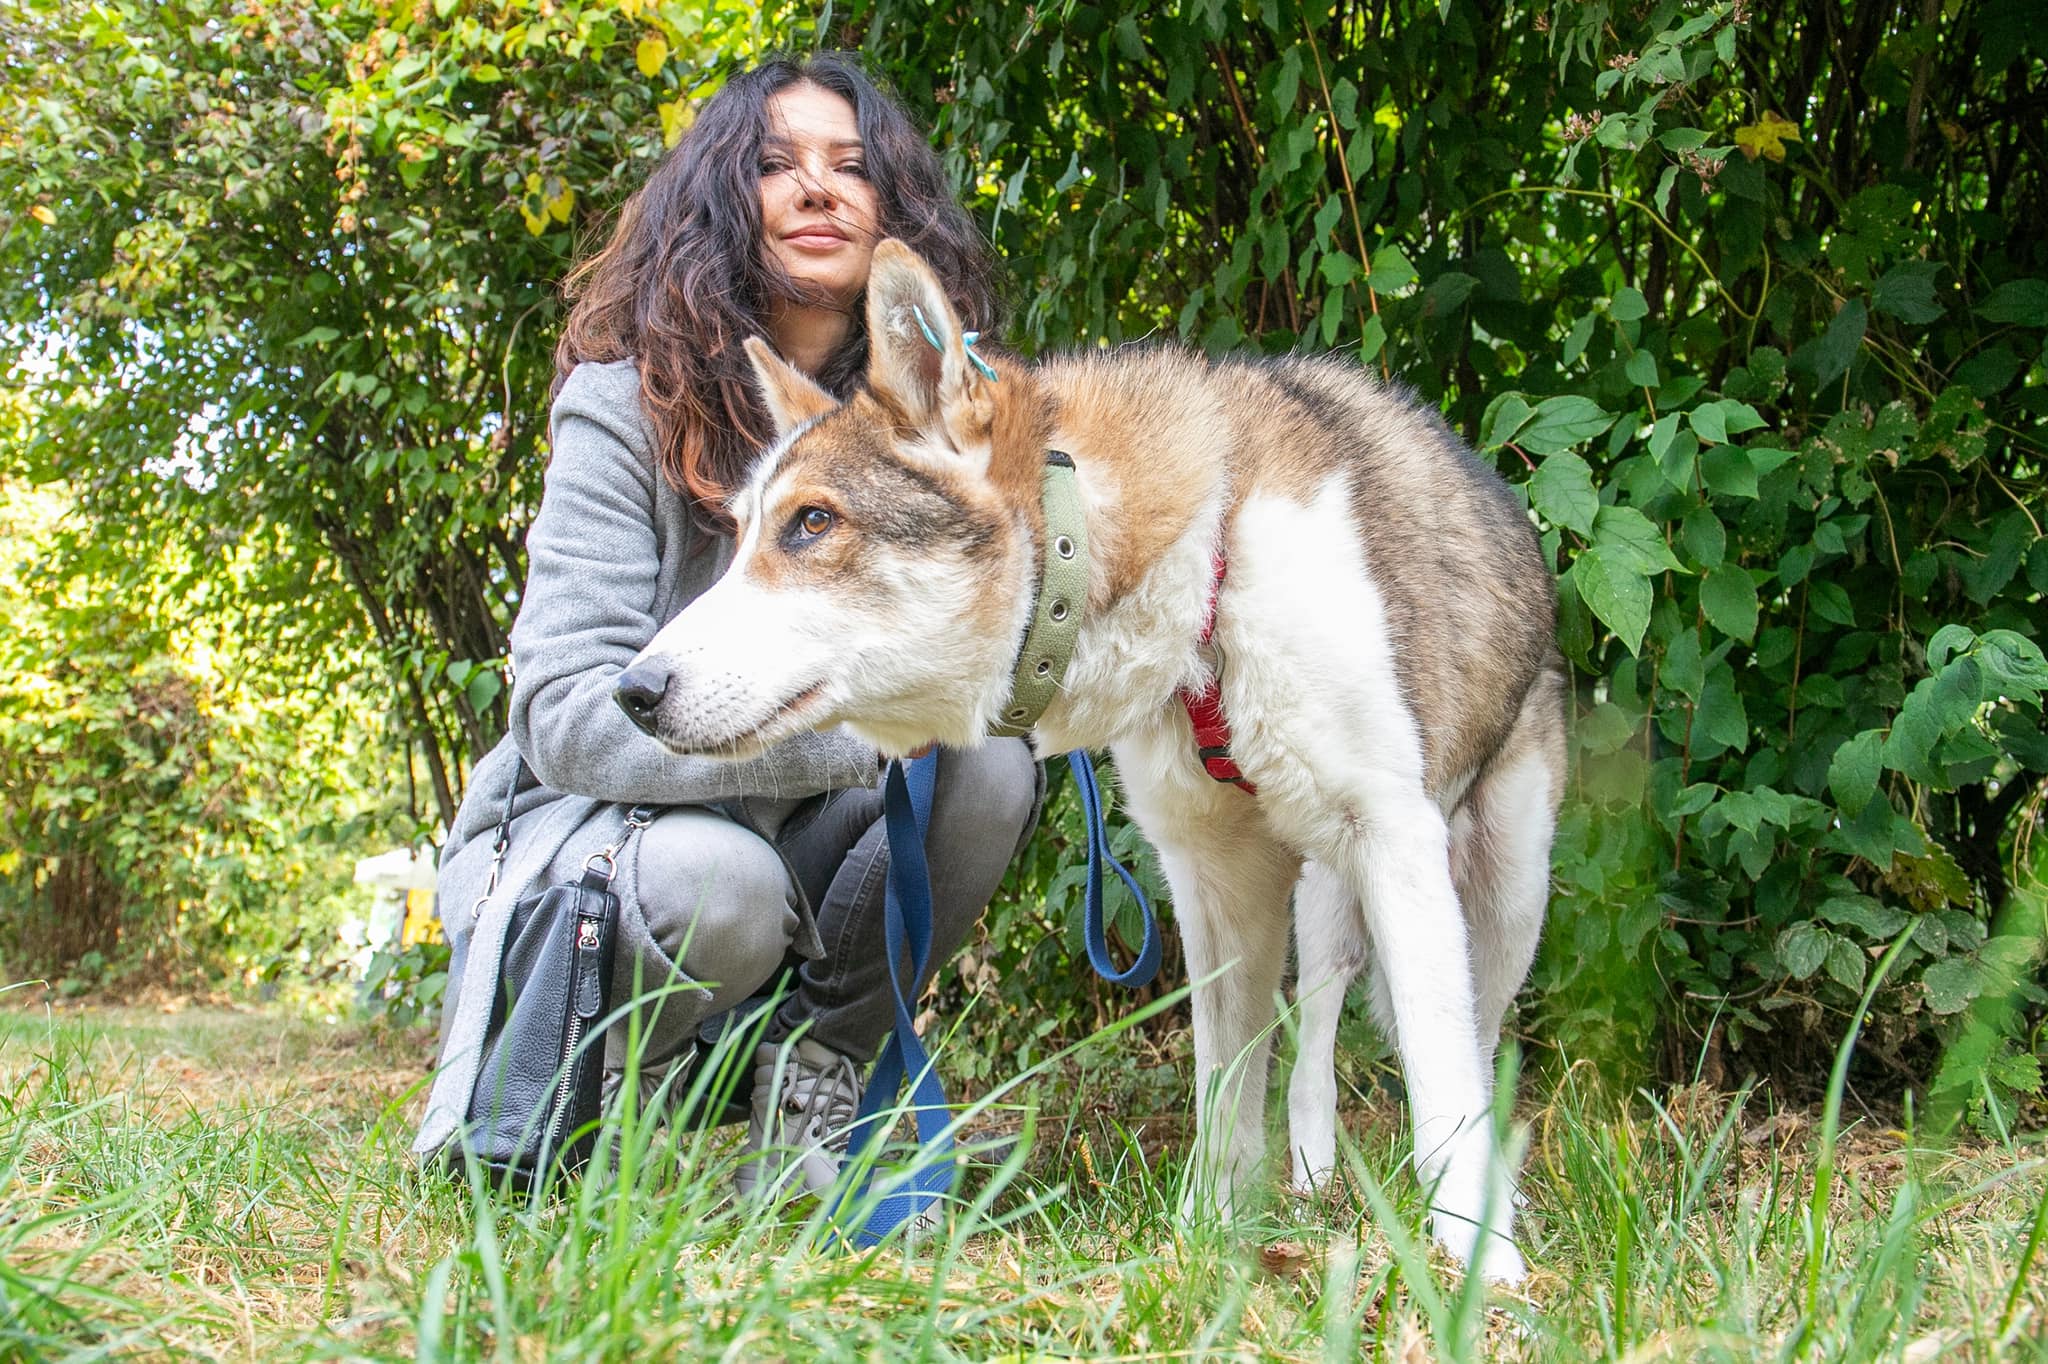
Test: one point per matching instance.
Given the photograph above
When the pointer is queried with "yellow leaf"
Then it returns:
(631, 8)
(676, 118)
(535, 223)
(1766, 137)
(43, 215)
(651, 53)
(560, 206)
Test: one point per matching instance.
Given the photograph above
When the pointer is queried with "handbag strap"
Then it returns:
(906, 929)
(602, 865)
(504, 839)
(598, 868)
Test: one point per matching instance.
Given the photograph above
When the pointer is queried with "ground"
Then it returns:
(232, 1183)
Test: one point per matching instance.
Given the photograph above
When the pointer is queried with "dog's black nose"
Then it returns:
(639, 692)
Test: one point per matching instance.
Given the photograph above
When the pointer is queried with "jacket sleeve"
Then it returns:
(593, 576)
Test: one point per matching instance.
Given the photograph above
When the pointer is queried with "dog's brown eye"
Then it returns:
(814, 521)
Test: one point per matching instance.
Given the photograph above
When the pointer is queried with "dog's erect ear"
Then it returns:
(917, 359)
(790, 395)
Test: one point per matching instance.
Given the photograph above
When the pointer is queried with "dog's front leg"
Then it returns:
(1230, 901)
(1399, 855)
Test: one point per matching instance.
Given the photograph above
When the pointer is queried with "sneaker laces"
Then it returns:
(821, 1093)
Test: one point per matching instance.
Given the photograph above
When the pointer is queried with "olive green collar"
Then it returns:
(1056, 615)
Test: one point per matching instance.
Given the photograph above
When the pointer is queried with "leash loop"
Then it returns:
(907, 931)
(1094, 932)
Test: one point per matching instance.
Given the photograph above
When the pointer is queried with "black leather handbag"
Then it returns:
(533, 1115)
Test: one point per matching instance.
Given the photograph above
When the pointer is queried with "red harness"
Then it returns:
(1205, 708)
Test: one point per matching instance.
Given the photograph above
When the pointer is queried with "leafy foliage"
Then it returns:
(162, 809)
(1752, 312)
(406, 984)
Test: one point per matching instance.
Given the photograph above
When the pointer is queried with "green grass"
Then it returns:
(215, 1184)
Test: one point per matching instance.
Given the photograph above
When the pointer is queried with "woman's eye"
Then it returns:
(773, 165)
(813, 521)
(854, 168)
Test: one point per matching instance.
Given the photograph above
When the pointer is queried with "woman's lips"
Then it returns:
(816, 239)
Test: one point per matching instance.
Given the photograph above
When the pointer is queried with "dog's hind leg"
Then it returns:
(1396, 846)
(1500, 854)
(1329, 950)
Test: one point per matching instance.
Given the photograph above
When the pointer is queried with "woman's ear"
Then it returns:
(917, 361)
(791, 396)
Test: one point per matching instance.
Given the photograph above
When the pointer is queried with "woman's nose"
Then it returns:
(816, 194)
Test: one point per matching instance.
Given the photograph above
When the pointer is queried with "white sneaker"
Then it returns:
(805, 1098)
(651, 1079)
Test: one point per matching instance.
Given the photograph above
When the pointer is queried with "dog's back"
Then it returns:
(1471, 606)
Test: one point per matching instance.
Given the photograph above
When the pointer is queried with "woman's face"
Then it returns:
(818, 212)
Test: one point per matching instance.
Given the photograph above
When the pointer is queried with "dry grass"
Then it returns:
(232, 1184)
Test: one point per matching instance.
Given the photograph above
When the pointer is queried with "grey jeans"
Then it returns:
(721, 925)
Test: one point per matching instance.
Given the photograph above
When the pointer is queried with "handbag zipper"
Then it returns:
(583, 995)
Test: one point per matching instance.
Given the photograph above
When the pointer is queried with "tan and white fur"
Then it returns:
(1384, 639)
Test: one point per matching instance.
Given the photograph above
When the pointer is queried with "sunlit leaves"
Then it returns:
(546, 201)
(1767, 136)
(676, 117)
(347, 245)
(650, 53)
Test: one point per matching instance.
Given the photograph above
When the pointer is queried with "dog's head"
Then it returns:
(883, 562)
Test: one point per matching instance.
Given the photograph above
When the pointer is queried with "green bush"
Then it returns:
(166, 811)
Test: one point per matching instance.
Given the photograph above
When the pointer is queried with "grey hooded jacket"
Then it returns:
(612, 556)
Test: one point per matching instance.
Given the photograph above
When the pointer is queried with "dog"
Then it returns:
(1382, 641)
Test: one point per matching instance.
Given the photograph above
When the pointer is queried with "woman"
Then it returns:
(763, 220)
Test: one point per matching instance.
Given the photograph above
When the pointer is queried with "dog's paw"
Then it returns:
(1313, 1168)
(1490, 1255)
(1205, 1201)
(1499, 1262)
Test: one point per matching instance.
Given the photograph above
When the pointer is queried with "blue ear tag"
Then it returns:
(967, 340)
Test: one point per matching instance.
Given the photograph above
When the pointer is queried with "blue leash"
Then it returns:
(1093, 931)
(907, 922)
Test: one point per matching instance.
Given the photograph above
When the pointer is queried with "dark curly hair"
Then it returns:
(683, 280)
